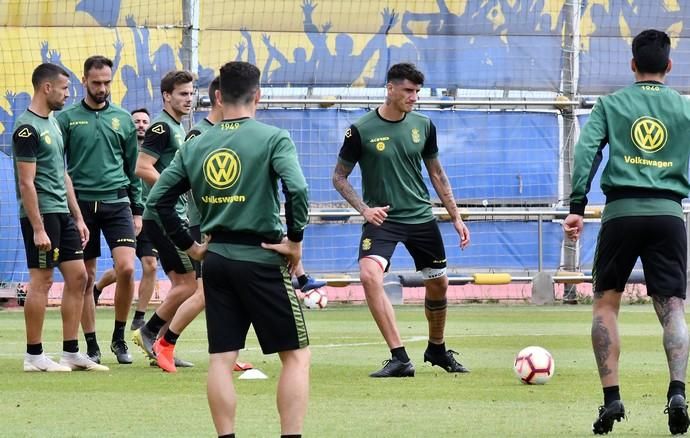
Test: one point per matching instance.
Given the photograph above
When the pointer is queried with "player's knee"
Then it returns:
(371, 270)
(125, 269)
(149, 264)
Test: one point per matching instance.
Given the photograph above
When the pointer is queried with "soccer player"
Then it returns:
(101, 151)
(233, 171)
(390, 144)
(161, 143)
(164, 347)
(647, 127)
(52, 237)
(147, 254)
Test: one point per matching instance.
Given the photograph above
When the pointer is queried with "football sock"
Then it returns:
(91, 343)
(170, 337)
(119, 330)
(611, 393)
(400, 354)
(436, 348)
(71, 346)
(138, 314)
(302, 280)
(675, 387)
(230, 435)
(155, 323)
(34, 349)
(291, 436)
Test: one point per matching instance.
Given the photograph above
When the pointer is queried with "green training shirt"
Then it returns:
(233, 172)
(101, 151)
(647, 128)
(192, 212)
(38, 139)
(162, 141)
(390, 157)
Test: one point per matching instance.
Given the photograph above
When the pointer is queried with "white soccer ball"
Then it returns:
(316, 299)
(534, 365)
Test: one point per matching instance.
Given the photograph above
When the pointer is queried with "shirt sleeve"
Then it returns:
(129, 157)
(588, 156)
(25, 143)
(172, 184)
(285, 164)
(156, 139)
(430, 146)
(351, 151)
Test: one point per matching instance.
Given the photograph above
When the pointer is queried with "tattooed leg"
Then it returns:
(435, 307)
(605, 340)
(671, 314)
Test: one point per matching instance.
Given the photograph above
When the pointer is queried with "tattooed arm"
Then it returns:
(442, 186)
(374, 215)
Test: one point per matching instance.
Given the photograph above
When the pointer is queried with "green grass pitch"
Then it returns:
(139, 400)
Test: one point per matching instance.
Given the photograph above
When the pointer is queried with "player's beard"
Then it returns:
(98, 99)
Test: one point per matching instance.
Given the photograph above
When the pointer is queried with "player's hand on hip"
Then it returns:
(42, 241)
(573, 225)
(137, 224)
(376, 215)
(83, 232)
(463, 232)
(198, 250)
(291, 250)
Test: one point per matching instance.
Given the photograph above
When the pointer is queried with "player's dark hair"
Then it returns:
(47, 72)
(651, 49)
(96, 62)
(175, 78)
(141, 110)
(213, 86)
(405, 70)
(238, 82)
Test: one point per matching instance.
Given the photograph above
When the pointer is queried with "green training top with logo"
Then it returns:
(162, 141)
(233, 172)
(38, 139)
(192, 212)
(390, 157)
(101, 151)
(647, 127)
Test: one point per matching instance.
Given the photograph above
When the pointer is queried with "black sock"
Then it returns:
(400, 354)
(155, 323)
(302, 280)
(230, 435)
(298, 435)
(675, 387)
(71, 346)
(34, 349)
(436, 348)
(96, 291)
(91, 343)
(138, 314)
(119, 330)
(611, 393)
(170, 337)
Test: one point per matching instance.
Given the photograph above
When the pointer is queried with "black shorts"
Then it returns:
(63, 235)
(115, 220)
(659, 241)
(172, 258)
(145, 246)
(423, 241)
(239, 294)
(195, 231)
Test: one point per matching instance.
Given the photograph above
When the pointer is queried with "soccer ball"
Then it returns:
(315, 299)
(534, 365)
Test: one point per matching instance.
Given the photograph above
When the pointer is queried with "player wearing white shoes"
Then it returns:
(52, 226)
